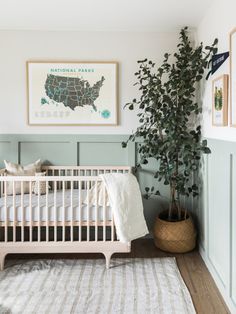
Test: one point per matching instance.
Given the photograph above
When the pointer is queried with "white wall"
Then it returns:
(219, 20)
(19, 46)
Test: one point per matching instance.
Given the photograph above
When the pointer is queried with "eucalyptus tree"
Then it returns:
(168, 104)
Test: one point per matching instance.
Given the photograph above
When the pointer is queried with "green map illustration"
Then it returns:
(72, 91)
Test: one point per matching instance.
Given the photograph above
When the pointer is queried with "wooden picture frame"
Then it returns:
(220, 101)
(232, 55)
(72, 93)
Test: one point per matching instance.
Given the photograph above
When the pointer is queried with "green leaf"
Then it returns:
(142, 61)
(166, 55)
(156, 175)
(166, 182)
(215, 42)
(214, 51)
(204, 143)
(207, 150)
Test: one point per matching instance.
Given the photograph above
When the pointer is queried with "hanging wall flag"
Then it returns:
(218, 60)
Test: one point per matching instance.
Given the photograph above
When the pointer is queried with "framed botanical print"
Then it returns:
(220, 101)
(72, 93)
(233, 78)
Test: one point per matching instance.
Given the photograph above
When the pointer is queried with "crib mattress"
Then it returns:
(39, 213)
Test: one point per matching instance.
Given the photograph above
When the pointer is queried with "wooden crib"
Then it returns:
(73, 216)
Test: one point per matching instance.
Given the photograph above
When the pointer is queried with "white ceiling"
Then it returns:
(101, 15)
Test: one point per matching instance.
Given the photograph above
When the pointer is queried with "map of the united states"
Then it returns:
(72, 91)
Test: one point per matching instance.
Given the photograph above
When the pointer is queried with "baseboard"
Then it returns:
(225, 294)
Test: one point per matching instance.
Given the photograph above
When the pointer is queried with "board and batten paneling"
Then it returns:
(233, 230)
(219, 211)
(5, 150)
(56, 153)
(218, 217)
(67, 149)
(103, 153)
(202, 201)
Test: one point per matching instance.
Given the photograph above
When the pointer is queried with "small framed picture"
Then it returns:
(220, 101)
(72, 93)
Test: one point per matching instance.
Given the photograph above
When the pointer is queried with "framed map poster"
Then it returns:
(72, 93)
(220, 101)
(232, 54)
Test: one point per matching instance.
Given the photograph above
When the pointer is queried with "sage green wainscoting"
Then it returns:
(215, 210)
(217, 217)
(81, 150)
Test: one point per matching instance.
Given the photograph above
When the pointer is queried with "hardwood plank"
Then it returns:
(205, 294)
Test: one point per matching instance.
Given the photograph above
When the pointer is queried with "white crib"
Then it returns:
(58, 221)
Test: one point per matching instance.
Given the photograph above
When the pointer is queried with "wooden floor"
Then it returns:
(205, 295)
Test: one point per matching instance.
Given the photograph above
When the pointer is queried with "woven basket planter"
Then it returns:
(175, 237)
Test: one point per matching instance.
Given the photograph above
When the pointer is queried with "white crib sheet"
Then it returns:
(51, 211)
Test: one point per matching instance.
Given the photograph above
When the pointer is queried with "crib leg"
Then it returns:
(108, 258)
(2, 260)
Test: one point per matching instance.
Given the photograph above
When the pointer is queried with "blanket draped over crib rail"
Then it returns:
(127, 207)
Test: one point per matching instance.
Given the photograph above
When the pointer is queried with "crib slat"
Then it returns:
(6, 211)
(112, 227)
(60, 183)
(47, 213)
(80, 215)
(39, 216)
(22, 211)
(67, 174)
(1, 186)
(104, 212)
(72, 218)
(96, 211)
(63, 209)
(30, 208)
(88, 205)
(55, 211)
(14, 211)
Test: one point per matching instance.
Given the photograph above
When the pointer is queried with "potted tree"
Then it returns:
(171, 133)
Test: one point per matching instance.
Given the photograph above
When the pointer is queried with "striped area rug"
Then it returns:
(137, 285)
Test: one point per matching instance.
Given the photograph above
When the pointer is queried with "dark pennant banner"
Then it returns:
(218, 60)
